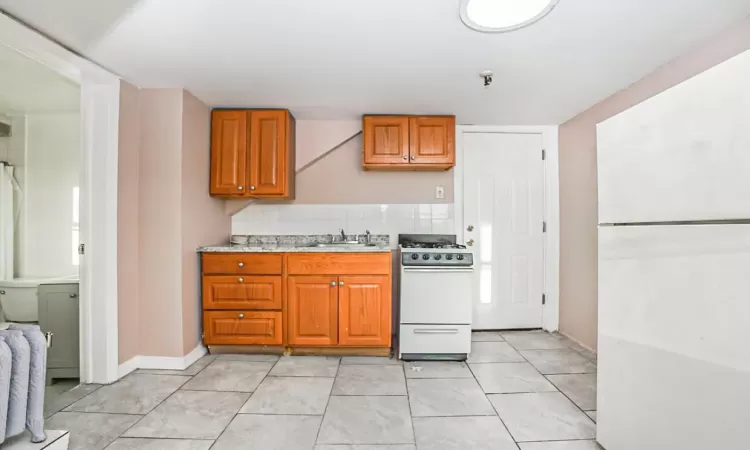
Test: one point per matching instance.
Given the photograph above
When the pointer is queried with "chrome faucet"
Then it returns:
(343, 235)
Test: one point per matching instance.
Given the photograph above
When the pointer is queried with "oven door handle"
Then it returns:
(435, 330)
(439, 270)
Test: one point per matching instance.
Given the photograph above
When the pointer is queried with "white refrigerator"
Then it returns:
(674, 267)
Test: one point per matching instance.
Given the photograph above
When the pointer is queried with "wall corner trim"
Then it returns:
(161, 362)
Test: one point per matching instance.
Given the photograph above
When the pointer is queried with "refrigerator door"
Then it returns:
(682, 155)
(674, 334)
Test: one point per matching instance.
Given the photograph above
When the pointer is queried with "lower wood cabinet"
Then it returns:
(242, 328)
(241, 292)
(312, 311)
(364, 316)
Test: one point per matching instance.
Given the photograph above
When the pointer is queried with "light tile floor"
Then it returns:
(518, 391)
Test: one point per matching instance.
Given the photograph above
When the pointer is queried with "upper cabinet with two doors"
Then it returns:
(252, 154)
(409, 142)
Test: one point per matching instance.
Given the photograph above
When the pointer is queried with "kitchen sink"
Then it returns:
(339, 245)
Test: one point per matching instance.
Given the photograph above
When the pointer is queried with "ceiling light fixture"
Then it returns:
(499, 16)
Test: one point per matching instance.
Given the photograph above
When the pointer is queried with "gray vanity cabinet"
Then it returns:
(58, 315)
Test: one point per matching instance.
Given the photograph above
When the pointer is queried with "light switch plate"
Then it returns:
(439, 191)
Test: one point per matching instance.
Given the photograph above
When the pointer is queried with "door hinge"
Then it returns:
(81, 249)
(544, 299)
(544, 227)
(544, 154)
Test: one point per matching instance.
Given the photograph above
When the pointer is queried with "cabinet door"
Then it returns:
(312, 310)
(241, 292)
(365, 311)
(228, 152)
(386, 140)
(241, 328)
(269, 149)
(432, 140)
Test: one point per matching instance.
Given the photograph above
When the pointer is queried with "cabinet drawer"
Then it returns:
(241, 263)
(242, 328)
(339, 264)
(241, 292)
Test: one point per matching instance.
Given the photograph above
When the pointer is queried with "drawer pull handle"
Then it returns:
(74, 295)
(240, 280)
(241, 316)
(436, 331)
(241, 264)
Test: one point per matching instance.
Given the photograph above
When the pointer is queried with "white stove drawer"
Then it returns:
(434, 339)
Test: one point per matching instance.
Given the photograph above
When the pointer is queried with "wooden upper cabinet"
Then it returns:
(252, 153)
(386, 140)
(312, 310)
(432, 141)
(228, 152)
(365, 311)
(409, 142)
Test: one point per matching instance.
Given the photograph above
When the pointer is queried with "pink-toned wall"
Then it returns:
(578, 185)
(203, 218)
(164, 214)
(332, 155)
(160, 222)
(127, 222)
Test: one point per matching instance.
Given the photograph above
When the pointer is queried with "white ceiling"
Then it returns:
(337, 59)
(27, 86)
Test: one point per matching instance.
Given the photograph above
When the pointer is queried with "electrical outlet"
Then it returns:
(439, 191)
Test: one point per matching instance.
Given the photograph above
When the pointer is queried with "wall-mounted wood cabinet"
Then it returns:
(408, 142)
(252, 154)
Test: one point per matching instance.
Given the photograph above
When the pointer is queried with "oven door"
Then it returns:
(436, 295)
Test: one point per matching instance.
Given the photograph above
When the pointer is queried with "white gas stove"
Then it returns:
(435, 294)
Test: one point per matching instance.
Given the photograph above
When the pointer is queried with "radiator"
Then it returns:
(23, 359)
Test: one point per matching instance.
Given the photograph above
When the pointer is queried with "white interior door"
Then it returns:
(503, 218)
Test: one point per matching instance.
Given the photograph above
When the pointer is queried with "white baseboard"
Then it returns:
(161, 362)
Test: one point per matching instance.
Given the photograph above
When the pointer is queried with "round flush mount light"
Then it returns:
(499, 16)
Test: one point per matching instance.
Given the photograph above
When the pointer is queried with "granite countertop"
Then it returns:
(297, 244)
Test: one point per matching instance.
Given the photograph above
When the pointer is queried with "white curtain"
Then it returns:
(7, 221)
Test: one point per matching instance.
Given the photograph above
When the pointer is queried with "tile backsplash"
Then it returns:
(390, 219)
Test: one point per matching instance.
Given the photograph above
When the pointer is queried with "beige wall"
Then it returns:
(160, 187)
(127, 222)
(203, 218)
(578, 201)
(164, 214)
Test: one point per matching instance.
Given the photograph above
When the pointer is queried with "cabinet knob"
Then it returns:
(239, 188)
(240, 280)
(341, 283)
(241, 264)
(2, 292)
(406, 157)
(73, 295)
(252, 188)
(333, 283)
(412, 158)
(240, 316)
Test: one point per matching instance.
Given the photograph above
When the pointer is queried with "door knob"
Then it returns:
(470, 242)
(240, 280)
(240, 316)
(470, 228)
(333, 283)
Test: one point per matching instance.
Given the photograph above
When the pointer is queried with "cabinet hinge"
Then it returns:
(544, 227)
(544, 154)
(544, 299)
(81, 249)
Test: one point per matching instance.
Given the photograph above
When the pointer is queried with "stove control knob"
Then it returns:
(414, 256)
(459, 257)
(425, 256)
(437, 256)
(449, 256)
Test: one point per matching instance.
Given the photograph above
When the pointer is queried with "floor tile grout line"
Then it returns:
(74, 401)
(408, 402)
(328, 402)
(497, 413)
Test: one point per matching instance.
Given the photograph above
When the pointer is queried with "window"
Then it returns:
(75, 235)
(503, 15)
